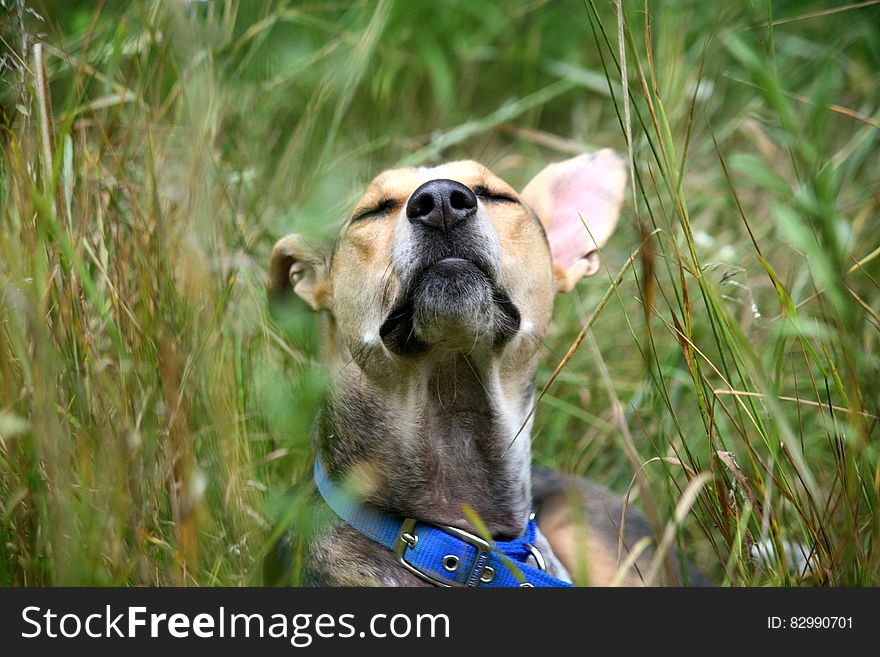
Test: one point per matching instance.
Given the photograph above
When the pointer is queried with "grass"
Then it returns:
(153, 417)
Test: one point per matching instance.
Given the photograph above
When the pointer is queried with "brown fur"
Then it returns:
(431, 337)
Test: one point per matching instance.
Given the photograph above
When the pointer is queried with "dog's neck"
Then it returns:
(434, 440)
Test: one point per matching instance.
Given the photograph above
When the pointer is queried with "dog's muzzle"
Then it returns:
(450, 265)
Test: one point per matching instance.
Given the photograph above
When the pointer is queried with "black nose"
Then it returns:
(441, 204)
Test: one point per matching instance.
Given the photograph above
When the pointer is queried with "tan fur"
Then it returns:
(363, 254)
(418, 414)
(589, 554)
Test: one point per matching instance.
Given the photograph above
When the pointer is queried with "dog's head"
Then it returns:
(452, 259)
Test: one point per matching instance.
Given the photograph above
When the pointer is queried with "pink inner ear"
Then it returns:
(586, 190)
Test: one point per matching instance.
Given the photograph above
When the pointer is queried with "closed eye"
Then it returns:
(492, 196)
(381, 209)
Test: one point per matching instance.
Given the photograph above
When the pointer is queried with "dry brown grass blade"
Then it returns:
(47, 134)
(687, 500)
(805, 402)
(821, 13)
(729, 461)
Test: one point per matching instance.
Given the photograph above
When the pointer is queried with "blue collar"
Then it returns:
(440, 554)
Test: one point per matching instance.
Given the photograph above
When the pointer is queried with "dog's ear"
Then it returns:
(298, 268)
(578, 202)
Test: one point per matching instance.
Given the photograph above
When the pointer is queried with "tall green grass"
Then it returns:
(153, 417)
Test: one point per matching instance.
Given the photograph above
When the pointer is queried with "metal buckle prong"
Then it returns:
(536, 554)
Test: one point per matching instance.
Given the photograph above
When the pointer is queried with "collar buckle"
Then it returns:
(408, 538)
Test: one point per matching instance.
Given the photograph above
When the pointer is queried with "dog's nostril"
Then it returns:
(421, 204)
(459, 200)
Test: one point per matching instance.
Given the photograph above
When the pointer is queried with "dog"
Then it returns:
(437, 295)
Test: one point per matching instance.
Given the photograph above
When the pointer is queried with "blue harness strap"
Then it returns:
(440, 554)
